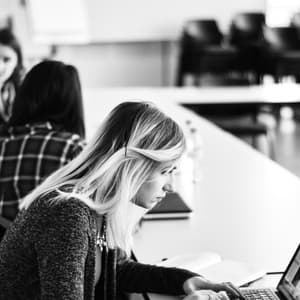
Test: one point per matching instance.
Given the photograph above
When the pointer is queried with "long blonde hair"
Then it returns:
(132, 142)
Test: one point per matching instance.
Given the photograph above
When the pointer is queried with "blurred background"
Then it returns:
(124, 43)
(174, 43)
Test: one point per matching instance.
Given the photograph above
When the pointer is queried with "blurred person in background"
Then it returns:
(11, 72)
(46, 131)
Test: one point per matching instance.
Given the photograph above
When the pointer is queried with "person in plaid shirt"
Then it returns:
(45, 132)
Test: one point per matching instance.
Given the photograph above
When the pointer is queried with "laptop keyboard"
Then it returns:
(259, 294)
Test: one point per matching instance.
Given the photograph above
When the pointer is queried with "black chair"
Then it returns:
(240, 120)
(281, 55)
(202, 51)
(246, 33)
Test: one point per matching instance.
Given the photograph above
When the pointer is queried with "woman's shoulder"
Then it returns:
(66, 135)
(58, 199)
(66, 143)
(49, 130)
(73, 140)
(63, 209)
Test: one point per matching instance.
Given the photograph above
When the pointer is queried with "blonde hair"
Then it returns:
(132, 142)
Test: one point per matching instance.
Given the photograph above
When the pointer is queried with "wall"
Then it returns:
(144, 20)
(126, 63)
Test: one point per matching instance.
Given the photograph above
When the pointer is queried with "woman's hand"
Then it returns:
(206, 295)
(200, 284)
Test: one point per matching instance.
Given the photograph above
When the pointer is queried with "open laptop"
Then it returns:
(288, 287)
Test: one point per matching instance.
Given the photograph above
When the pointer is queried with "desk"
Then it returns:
(275, 94)
(246, 206)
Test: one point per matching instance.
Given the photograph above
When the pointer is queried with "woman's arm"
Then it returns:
(61, 250)
(139, 278)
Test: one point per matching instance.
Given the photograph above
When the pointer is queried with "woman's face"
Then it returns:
(8, 62)
(156, 187)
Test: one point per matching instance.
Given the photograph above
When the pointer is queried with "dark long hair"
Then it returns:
(51, 91)
(7, 38)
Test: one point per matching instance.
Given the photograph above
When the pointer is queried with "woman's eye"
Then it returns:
(167, 172)
(164, 172)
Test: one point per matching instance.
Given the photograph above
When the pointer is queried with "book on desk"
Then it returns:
(171, 207)
(213, 267)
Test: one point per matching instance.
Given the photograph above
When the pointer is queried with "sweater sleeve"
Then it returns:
(62, 250)
(134, 277)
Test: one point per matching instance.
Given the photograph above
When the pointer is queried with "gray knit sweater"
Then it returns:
(49, 253)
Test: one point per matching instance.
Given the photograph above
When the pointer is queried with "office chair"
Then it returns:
(247, 28)
(281, 53)
(202, 51)
(246, 34)
(240, 120)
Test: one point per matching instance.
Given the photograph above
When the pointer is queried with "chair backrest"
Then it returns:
(281, 38)
(246, 28)
(201, 33)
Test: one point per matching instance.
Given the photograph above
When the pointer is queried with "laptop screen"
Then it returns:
(289, 285)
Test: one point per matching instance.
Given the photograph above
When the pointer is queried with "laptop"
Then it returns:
(288, 287)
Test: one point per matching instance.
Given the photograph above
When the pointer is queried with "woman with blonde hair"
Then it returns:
(73, 235)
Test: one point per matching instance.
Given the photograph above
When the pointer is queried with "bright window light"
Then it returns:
(58, 21)
(280, 12)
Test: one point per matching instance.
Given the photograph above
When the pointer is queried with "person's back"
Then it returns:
(45, 132)
(28, 155)
(30, 233)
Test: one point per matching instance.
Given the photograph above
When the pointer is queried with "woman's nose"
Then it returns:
(169, 187)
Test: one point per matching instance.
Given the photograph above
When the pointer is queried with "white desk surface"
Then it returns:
(259, 94)
(246, 207)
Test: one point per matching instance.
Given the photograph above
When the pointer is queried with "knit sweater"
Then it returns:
(49, 253)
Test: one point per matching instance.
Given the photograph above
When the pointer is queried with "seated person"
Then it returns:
(64, 243)
(11, 71)
(46, 130)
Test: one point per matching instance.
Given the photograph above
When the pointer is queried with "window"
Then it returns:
(58, 21)
(280, 12)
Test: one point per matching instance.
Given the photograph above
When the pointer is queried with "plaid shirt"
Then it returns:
(28, 154)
